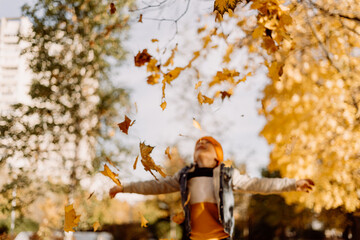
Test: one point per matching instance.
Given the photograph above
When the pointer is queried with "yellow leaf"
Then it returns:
(152, 67)
(147, 161)
(136, 160)
(171, 58)
(258, 32)
(163, 105)
(113, 176)
(204, 99)
(198, 84)
(71, 219)
(228, 163)
(188, 199)
(178, 217)
(153, 79)
(229, 50)
(144, 222)
(170, 76)
(196, 124)
(167, 152)
(124, 126)
(96, 225)
(223, 6)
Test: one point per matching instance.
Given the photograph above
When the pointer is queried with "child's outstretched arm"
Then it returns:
(244, 183)
(164, 185)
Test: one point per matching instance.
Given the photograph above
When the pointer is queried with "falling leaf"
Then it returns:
(171, 58)
(124, 126)
(71, 219)
(163, 105)
(154, 40)
(152, 67)
(96, 225)
(178, 218)
(153, 78)
(222, 6)
(111, 163)
(144, 222)
(167, 152)
(90, 195)
(204, 99)
(107, 172)
(147, 161)
(170, 76)
(140, 18)
(112, 8)
(198, 84)
(229, 50)
(228, 163)
(142, 58)
(136, 160)
(196, 124)
(224, 94)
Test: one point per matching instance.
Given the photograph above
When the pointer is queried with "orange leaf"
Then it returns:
(147, 161)
(140, 18)
(96, 225)
(204, 99)
(171, 58)
(153, 78)
(170, 76)
(142, 58)
(136, 162)
(152, 67)
(113, 176)
(144, 222)
(167, 152)
(178, 217)
(163, 105)
(71, 219)
(124, 126)
(112, 8)
(154, 40)
(198, 84)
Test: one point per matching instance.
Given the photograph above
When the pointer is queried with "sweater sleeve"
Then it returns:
(244, 183)
(168, 184)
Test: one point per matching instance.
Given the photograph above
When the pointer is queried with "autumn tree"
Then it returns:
(60, 136)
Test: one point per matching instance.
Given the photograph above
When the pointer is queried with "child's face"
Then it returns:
(205, 154)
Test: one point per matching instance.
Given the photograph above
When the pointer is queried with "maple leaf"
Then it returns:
(113, 176)
(112, 8)
(196, 124)
(167, 152)
(142, 58)
(222, 6)
(96, 225)
(178, 218)
(71, 219)
(147, 161)
(124, 126)
(144, 222)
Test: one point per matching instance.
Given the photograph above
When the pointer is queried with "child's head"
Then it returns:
(208, 152)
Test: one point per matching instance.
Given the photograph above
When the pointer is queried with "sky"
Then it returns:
(234, 122)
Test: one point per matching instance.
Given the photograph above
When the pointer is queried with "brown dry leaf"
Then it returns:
(196, 124)
(163, 105)
(113, 176)
(142, 58)
(112, 8)
(90, 195)
(71, 219)
(124, 126)
(222, 6)
(140, 18)
(96, 225)
(147, 161)
(167, 152)
(228, 163)
(136, 160)
(144, 222)
(178, 218)
(224, 94)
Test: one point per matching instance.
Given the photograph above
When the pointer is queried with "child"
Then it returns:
(206, 191)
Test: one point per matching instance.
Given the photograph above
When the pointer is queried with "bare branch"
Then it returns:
(148, 6)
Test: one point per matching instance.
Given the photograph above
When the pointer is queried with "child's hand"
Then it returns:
(304, 185)
(114, 190)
